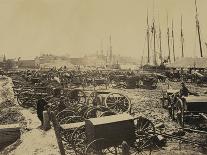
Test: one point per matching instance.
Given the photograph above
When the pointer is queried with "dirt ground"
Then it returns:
(35, 141)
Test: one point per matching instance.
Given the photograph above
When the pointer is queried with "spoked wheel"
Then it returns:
(99, 147)
(66, 133)
(81, 110)
(144, 130)
(23, 99)
(78, 139)
(118, 102)
(65, 113)
(179, 112)
(93, 99)
(77, 96)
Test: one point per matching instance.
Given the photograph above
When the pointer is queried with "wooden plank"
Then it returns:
(9, 134)
(57, 133)
(72, 125)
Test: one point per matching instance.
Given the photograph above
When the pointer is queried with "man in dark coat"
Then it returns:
(184, 90)
(41, 103)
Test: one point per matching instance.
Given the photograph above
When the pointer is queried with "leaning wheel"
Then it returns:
(65, 113)
(66, 133)
(179, 112)
(144, 130)
(78, 139)
(23, 99)
(118, 102)
(99, 147)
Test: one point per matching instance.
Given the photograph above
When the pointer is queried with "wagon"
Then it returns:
(116, 102)
(147, 80)
(191, 110)
(104, 135)
(101, 81)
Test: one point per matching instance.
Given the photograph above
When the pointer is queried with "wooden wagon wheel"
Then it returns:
(77, 96)
(118, 102)
(144, 130)
(78, 139)
(81, 110)
(67, 133)
(24, 99)
(179, 112)
(65, 113)
(96, 148)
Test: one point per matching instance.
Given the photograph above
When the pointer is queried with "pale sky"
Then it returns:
(76, 27)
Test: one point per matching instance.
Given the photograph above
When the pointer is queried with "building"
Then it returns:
(29, 63)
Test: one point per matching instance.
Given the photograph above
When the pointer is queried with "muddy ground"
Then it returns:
(35, 141)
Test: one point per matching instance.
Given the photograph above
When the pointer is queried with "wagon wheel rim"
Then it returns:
(78, 139)
(144, 130)
(22, 100)
(65, 113)
(142, 147)
(118, 104)
(95, 147)
(82, 110)
(66, 134)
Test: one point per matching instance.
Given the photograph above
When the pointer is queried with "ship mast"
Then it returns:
(148, 47)
(154, 35)
(160, 37)
(110, 50)
(198, 29)
(173, 42)
(168, 40)
(182, 38)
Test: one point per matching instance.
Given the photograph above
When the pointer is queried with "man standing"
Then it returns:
(41, 103)
(184, 90)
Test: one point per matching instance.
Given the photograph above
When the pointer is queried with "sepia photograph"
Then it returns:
(103, 77)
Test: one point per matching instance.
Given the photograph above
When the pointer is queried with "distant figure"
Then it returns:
(184, 90)
(41, 103)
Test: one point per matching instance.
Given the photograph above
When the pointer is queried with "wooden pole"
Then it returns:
(57, 133)
(46, 121)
